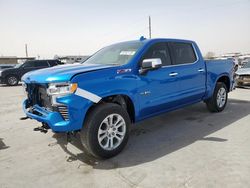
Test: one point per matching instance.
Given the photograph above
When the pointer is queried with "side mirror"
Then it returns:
(150, 64)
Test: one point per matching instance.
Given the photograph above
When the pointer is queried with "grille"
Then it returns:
(244, 77)
(43, 98)
(63, 110)
(37, 94)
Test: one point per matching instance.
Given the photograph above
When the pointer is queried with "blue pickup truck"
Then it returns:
(122, 84)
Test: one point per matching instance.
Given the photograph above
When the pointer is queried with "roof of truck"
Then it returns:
(144, 40)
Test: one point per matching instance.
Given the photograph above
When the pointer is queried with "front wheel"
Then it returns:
(12, 80)
(218, 101)
(106, 130)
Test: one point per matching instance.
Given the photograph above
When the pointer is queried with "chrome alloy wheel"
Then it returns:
(12, 80)
(111, 132)
(221, 97)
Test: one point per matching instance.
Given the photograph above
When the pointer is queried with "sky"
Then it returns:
(79, 27)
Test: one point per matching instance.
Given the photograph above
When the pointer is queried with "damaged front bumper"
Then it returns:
(53, 119)
(77, 110)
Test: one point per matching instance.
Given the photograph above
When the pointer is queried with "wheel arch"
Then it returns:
(211, 84)
(13, 74)
(226, 80)
(125, 101)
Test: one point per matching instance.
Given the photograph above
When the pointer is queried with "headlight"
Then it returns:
(61, 88)
(1, 73)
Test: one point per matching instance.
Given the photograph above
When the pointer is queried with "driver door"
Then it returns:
(158, 89)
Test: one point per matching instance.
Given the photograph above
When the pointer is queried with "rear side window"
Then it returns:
(182, 53)
(42, 64)
(159, 50)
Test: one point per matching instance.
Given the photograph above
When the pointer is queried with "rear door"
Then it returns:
(190, 71)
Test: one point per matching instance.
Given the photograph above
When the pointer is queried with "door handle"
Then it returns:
(201, 70)
(173, 74)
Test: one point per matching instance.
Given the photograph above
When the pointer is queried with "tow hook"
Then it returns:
(43, 129)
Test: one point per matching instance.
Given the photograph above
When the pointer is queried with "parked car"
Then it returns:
(6, 66)
(11, 76)
(244, 61)
(123, 84)
(243, 75)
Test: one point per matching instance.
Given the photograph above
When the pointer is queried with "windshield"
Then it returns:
(117, 54)
(18, 65)
(247, 65)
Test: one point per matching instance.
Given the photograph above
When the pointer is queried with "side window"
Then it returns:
(182, 53)
(159, 50)
(29, 64)
(42, 64)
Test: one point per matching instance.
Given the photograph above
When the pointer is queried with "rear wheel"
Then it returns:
(12, 80)
(218, 101)
(106, 130)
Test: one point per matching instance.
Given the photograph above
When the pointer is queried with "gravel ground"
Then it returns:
(185, 148)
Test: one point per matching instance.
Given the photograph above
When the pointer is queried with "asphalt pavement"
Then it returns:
(190, 147)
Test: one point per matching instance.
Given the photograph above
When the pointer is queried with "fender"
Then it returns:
(107, 85)
(211, 83)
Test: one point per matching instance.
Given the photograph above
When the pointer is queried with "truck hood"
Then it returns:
(60, 73)
(243, 71)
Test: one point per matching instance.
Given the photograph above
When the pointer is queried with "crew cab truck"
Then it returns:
(122, 84)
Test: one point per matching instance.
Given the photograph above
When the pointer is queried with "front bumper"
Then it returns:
(77, 106)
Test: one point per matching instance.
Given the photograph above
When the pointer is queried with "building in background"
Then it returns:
(13, 59)
(231, 55)
(239, 58)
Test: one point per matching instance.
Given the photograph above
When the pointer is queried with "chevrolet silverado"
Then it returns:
(122, 84)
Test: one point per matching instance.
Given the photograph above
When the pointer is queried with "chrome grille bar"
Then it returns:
(63, 110)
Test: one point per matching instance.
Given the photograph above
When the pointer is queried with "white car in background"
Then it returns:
(243, 75)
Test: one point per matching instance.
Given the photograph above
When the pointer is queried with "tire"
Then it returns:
(98, 133)
(218, 101)
(12, 80)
